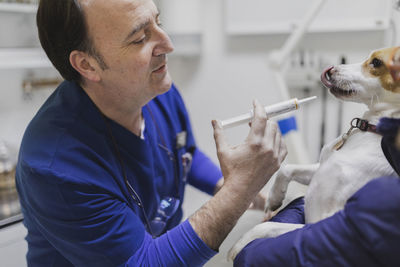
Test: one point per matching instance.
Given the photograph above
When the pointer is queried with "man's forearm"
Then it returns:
(219, 185)
(246, 168)
(215, 219)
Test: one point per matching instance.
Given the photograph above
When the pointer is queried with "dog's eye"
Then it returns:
(376, 63)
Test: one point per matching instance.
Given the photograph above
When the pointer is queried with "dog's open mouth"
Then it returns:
(326, 79)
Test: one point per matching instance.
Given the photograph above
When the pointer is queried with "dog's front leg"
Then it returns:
(263, 230)
(287, 173)
(303, 173)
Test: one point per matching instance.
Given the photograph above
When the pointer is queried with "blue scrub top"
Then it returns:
(77, 208)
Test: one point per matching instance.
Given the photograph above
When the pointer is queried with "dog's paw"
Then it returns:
(232, 253)
(258, 231)
(269, 214)
(263, 230)
(272, 205)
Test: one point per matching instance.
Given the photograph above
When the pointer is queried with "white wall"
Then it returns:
(221, 81)
(232, 70)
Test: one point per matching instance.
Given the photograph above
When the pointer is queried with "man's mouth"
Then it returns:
(161, 68)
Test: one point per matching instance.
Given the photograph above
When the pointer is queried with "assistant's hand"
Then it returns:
(249, 166)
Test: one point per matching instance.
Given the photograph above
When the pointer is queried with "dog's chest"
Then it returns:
(343, 172)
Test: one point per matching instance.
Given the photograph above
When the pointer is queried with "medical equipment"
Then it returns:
(9, 203)
(273, 110)
(276, 62)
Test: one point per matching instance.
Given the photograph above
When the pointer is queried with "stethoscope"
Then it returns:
(134, 195)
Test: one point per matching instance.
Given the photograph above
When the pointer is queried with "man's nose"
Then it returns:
(164, 45)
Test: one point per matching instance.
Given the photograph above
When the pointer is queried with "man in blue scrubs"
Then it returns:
(103, 164)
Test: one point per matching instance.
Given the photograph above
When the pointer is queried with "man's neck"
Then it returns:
(130, 117)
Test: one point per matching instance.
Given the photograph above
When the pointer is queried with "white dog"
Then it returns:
(348, 162)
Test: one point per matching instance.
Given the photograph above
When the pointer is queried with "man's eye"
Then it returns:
(141, 40)
(376, 63)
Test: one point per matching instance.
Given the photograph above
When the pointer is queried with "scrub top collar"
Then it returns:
(127, 142)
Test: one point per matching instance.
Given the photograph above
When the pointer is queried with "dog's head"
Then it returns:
(369, 82)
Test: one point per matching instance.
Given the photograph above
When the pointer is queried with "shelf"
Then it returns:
(256, 17)
(18, 8)
(323, 27)
(23, 58)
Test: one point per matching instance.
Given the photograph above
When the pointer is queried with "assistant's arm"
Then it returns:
(364, 233)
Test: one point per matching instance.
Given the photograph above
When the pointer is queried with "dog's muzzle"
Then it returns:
(326, 77)
(330, 83)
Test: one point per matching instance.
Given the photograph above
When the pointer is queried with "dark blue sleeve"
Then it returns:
(204, 173)
(89, 227)
(292, 213)
(178, 247)
(365, 233)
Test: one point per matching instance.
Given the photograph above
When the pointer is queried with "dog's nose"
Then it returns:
(326, 76)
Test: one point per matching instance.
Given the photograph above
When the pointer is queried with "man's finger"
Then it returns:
(278, 140)
(219, 136)
(271, 133)
(259, 120)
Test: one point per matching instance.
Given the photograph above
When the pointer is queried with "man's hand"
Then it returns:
(249, 166)
(246, 169)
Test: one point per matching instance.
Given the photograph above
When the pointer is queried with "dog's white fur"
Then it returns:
(339, 173)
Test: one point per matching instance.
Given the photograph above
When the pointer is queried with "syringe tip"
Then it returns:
(304, 100)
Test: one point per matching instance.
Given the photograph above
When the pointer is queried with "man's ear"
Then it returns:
(85, 65)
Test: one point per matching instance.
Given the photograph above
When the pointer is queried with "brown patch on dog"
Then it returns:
(375, 66)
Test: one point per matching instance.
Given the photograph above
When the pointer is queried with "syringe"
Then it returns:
(271, 111)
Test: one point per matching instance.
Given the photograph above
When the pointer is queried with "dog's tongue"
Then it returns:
(325, 77)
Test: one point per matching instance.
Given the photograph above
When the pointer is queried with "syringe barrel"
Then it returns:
(271, 111)
(282, 107)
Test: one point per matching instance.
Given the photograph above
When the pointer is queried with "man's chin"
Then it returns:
(166, 83)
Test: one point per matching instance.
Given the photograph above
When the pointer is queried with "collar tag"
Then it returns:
(358, 123)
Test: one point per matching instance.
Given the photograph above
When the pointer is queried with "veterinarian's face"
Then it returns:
(366, 82)
(128, 35)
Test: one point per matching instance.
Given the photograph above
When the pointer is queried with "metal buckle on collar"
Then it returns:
(360, 124)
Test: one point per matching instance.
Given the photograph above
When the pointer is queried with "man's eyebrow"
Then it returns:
(139, 28)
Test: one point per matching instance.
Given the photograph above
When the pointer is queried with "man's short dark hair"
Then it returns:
(62, 29)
